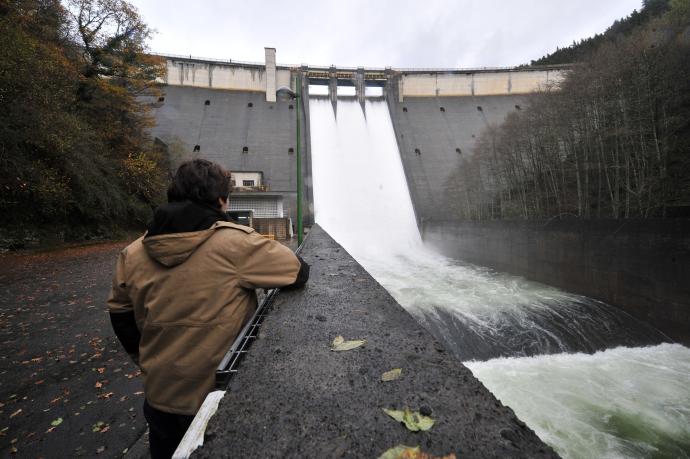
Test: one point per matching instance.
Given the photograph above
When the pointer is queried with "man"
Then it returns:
(182, 292)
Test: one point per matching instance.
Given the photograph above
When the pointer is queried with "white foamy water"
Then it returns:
(361, 199)
(619, 403)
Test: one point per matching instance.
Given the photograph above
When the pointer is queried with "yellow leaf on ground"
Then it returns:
(400, 452)
(391, 375)
(412, 419)
(339, 344)
(409, 452)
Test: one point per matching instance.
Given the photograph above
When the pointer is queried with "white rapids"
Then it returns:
(361, 199)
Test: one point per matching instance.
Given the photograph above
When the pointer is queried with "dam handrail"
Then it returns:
(228, 365)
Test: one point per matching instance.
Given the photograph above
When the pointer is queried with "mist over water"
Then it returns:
(361, 199)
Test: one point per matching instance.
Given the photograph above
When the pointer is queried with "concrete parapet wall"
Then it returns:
(216, 75)
(494, 83)
(642, 267)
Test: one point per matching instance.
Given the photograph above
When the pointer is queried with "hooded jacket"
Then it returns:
(189, 294)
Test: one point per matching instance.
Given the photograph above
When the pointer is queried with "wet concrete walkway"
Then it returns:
(294, 397)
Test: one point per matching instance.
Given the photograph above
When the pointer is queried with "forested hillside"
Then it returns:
(611, 141)
(621, 28)
(75, 160)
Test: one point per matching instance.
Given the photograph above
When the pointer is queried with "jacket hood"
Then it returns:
(174, 249)
(178, 229)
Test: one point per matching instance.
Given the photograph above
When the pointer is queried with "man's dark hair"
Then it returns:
(200, 181)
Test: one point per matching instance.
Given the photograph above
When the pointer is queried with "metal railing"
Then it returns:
(327, 68)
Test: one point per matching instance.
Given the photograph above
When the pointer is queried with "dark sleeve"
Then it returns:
(122, 311)
(302, 275)
(126, 330)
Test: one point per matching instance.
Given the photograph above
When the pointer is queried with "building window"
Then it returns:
(161, 99)
(250, 105)
(417, 151)
(443, 109)
(291, 150)
(517, 107)
(458, 151)
(479, 107)
(247, 182)
(245, 149)
(208, 102)
(405, 109)
(197, 148)
(291, 107)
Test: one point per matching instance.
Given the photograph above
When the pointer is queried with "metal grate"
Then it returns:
(228, 365)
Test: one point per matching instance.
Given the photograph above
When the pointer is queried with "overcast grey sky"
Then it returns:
(395, 33)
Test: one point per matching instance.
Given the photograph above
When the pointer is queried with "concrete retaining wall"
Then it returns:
(293, 397)
(642, 267)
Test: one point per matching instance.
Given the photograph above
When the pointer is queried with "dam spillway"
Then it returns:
(541, 337)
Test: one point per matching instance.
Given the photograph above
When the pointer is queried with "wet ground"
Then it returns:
(67, 388)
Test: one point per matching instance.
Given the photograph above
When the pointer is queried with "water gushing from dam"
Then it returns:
(573, 401)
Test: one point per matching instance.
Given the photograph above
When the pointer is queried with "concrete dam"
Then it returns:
(590, 379)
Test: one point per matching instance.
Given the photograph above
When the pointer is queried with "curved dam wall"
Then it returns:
(435, 135)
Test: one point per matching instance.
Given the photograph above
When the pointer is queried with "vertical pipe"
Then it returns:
(298, 99)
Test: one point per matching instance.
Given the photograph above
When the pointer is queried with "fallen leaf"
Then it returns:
(100, 449)
(106, 395)
(409, 452)
(101, 370)
(412, 420)
(391, 375)
(56, 422)
(50, 429)
(141, 392)
(15, 413)
(98, 426)
(98, 385)
(400, 452)
(339, 344)
(40, 381)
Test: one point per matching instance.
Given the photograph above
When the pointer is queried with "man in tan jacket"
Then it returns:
(182, 292)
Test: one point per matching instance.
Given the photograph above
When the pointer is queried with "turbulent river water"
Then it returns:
(589, 379)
